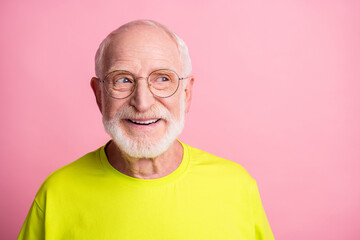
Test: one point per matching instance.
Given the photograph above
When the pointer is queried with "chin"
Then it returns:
(143, 147)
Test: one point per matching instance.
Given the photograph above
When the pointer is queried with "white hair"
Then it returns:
(182, 48)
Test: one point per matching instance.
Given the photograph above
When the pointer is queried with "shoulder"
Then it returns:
(86, 163)
(69, 175)
(218, 166)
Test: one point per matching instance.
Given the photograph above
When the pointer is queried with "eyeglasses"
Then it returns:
(121, 84)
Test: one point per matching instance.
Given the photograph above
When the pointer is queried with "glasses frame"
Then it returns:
(147, 80)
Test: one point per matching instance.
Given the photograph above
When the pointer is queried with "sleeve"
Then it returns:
(33, 227)
(262, 226)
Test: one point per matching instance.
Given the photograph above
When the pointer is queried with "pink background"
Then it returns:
(277, 90)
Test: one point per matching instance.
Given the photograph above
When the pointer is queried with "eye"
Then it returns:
(162, 79)
(123, 80)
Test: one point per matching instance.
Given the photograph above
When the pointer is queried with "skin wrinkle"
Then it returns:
(154, 169)
(130, 51)
(133, 62)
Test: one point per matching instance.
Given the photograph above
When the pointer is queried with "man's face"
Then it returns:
(142, 124)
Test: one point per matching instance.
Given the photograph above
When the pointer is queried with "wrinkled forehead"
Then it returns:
(141, 44)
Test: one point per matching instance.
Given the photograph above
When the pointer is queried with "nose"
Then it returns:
(142, 99)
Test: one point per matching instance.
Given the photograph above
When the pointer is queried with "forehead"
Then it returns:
(141, 49)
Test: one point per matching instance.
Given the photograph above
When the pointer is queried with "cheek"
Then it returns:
(176, 107)
(110, 107)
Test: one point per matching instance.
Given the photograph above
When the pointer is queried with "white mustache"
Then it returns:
(155, 111)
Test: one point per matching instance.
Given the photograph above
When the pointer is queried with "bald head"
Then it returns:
(148, 31)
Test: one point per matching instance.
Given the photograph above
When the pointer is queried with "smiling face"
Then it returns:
(143, 125)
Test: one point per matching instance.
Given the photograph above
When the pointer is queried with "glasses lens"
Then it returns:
(163, 83)
(119, 84)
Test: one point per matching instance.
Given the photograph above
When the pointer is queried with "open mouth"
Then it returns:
(147, 122)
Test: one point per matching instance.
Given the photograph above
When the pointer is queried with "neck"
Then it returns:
(145, 168)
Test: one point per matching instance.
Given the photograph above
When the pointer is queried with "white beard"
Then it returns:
(144, 146)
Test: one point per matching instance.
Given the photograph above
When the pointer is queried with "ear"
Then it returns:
(188, 93)
(95, 85)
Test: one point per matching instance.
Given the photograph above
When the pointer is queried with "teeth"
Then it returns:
(144, 122)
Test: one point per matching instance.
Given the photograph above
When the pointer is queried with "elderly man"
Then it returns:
(144, 183)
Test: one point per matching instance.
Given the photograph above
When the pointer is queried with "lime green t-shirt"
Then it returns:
(206, 197)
